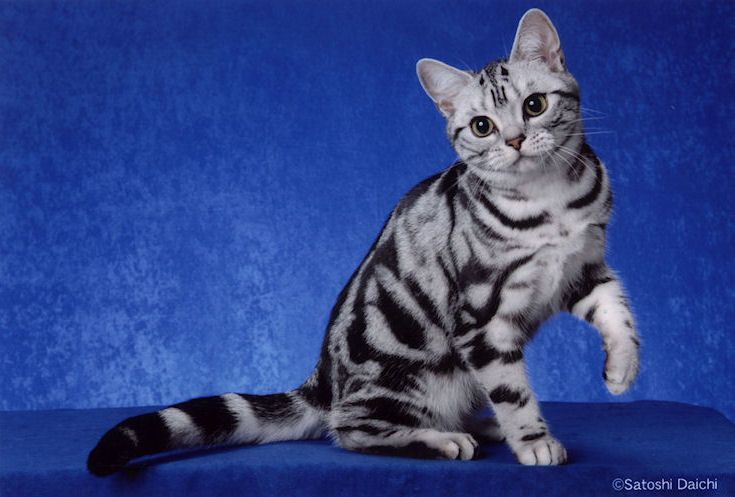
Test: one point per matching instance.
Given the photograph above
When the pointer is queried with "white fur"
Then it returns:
(183, 430)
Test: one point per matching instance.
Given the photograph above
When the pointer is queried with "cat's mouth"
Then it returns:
(523, 163)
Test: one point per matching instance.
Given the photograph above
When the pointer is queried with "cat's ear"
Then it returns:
(442, 83)
(537, 40)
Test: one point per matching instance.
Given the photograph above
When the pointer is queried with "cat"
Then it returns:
(432, 325)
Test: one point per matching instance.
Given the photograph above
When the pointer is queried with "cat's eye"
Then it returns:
(535, 105)
(482, 126)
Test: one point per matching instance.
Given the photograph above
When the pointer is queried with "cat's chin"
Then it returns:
(524, 164)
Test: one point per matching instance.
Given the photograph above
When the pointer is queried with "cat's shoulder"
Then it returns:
(441, 184)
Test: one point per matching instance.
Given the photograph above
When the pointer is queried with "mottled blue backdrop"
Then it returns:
(185, 187)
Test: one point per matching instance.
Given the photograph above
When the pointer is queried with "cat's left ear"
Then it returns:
(537, 40)
(442, 83)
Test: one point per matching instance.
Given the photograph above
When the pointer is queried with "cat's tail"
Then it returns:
(222, 420)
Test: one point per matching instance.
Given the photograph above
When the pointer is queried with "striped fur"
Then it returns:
(432, 324)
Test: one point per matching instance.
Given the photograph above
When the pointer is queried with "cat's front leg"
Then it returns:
(599, 299)
(502, 375)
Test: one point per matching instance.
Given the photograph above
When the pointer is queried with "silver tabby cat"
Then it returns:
(432, 325)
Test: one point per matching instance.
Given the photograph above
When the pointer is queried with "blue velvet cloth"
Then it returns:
(42, 453)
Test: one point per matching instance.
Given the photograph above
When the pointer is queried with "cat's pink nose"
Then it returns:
(516, 142)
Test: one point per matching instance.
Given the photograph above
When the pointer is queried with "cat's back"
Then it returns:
(426, 215)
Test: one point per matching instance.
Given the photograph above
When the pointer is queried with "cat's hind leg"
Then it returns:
(390, 426)
(420, 443)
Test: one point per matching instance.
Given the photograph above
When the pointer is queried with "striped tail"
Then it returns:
(228, 419)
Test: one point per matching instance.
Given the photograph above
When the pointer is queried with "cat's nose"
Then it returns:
(516, 142)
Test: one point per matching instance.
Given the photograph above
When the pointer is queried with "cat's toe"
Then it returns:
(546, 451)
(620, 371)
(468, 446)
(458, 446)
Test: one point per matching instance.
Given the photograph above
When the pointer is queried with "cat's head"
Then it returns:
(515, 115)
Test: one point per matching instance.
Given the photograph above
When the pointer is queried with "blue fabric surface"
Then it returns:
(185, 187)
(42, 453)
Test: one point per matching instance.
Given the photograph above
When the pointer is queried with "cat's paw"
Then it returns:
(454, 445)
(546, 451)
(621, 368)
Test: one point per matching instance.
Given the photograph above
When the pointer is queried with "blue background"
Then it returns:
(185, 187)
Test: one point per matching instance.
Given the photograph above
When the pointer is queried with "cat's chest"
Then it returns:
(559, 235)
(556, 249)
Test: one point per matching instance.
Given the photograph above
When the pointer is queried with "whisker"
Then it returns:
(576, 155)
(594, 132)
(571, 165)
(589, 109)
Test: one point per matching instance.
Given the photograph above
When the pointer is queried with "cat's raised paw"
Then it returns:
(621, 369)
(545, 451)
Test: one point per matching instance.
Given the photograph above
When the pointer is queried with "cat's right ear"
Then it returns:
(442, 83)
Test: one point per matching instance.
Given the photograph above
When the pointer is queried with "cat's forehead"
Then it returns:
(522, 76)
(501, 86)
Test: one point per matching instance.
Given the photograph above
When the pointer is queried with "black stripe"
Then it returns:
(369, 429)
(474, 272)
(481, 353)
(590, 196)
(398, 377)
(511, 356)
(486, 230)
(388, 409)
(447, 186)
(450, 178)
(592, 276)
(533, 436)
(386, 255)
(425, 302)
(484, 315)
(590, 315)
(360, 350)
(319, 393)
(492, 92)
(210, 415)
(448, 363)
(273, 407)
(456, 133)
(521, 224)
(446, 272)
(503, 71)
(151, 431)
(505, 394)
(405, 328)
(504, 97)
